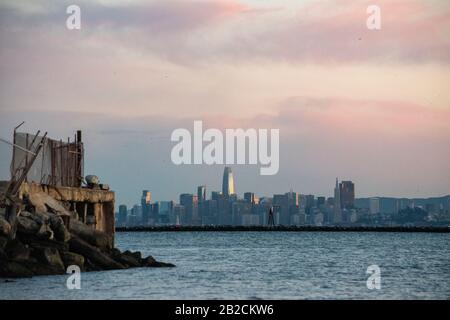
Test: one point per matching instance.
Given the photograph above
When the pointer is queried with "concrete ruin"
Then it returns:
(95, 207)
(58, 172)
(51, 217)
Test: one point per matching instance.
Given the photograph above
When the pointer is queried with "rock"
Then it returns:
(94, 254)
(94, 237)
(17, 251)
(148, 262)
(59, 229)
(27, 225)
(37, 200)
(3, 242)
(151, 262)
(45, 203)
(45, 232)
(136, 255)
(12, 269)
(38, 217)
(50, 259)
(36, 243)
(3, 256)
(90, 266)
(128, 259)
(71, 258)
(115, 253)
(5, 227)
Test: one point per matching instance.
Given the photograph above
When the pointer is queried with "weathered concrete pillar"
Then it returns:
(98, 216)
(109, 219)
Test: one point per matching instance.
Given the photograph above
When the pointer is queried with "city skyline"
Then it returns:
(208, 190)
(372, 106)
(290, 208)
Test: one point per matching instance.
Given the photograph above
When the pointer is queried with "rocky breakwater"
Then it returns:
(49, 238)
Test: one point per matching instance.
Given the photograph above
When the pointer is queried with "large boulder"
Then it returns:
(152, 263)
(13, 269)
(27, 225)
(71, 258)
(17, 251)
(45, 232)
(50, 259)
(59, 229)
(42, 203)
(128, 259)
(3, 242)
(94, 254)
(3, 256)
(96, 238)
(5, 227)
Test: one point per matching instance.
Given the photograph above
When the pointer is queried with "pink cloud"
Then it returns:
(327, 31)
(366, 117)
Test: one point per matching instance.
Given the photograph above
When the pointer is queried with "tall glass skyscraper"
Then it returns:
(337, 203)
(145, 204)
(228, 182)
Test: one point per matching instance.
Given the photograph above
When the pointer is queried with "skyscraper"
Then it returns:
(228, 182)
(122, 218)
(249, 197)
(374, 205)
(190, 204)
(201, 193)
(337, 204)
(146, 208)
(347, 194)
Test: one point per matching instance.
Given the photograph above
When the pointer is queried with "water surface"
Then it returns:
(263, 265)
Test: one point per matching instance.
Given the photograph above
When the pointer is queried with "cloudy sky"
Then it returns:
(368, 106)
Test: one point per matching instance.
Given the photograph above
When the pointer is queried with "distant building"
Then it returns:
(240, 210)
(320, 201)
(347, 194)
(216, 195)
(164, 211)
(201, 193)
(135, 218)
(179, 214)
(249, 197)
(250, 220)
(281, 209)
(122, 216)
(337, 217)
(309, 203)
(209, 212)
(146, 207)
(374, 205)
(190, 204)
(293, 198)
(228, 182)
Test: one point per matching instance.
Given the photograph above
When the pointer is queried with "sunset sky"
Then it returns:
(371, 106)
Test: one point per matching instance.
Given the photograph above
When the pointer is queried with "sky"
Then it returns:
(371, 106)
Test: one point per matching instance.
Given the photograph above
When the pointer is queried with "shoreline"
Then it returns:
(282, 229)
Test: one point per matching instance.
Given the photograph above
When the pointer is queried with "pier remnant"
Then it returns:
(49, 220)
